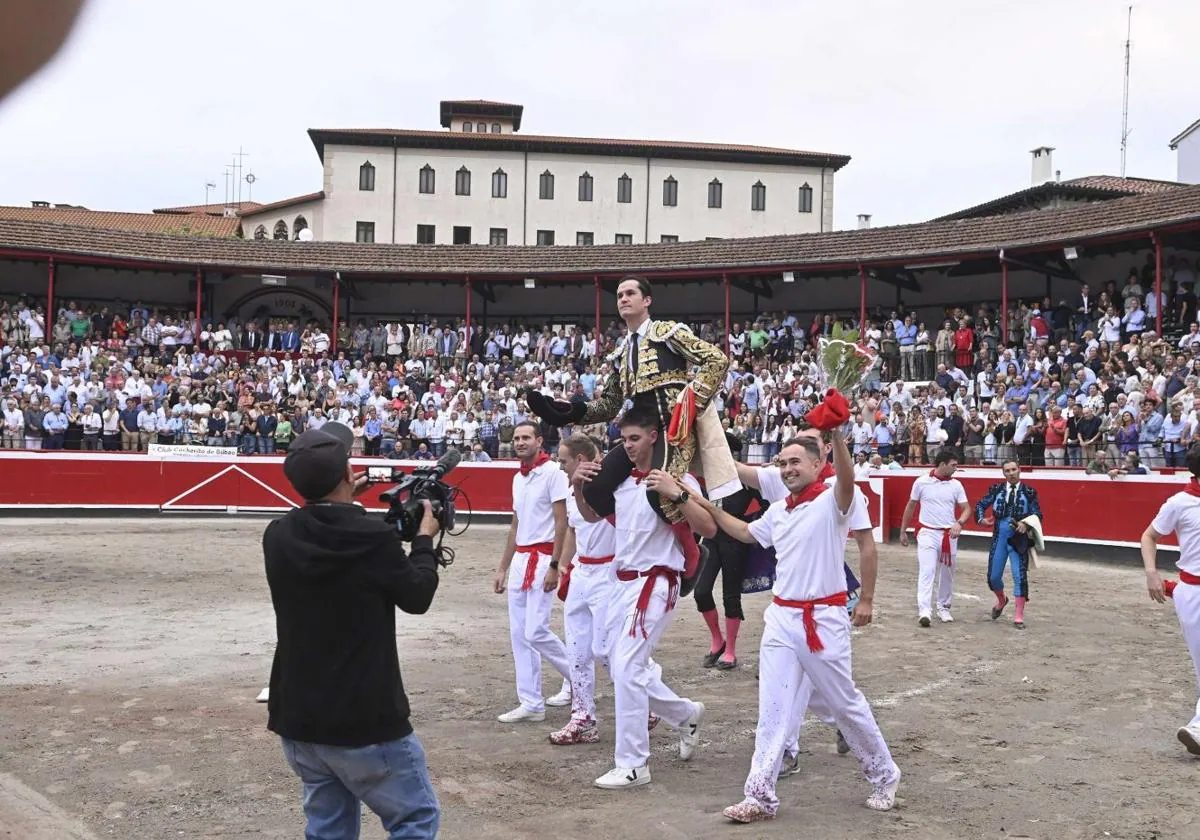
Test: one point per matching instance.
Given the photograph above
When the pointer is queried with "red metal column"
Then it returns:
(862, 306)
(596, 279)
(1003, 302)
(728, 326)
(199, 285)
(50, 318)
(337, 301)
(467, 331)
(1158, 301)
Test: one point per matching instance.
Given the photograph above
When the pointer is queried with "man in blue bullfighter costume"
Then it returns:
(1012, 501)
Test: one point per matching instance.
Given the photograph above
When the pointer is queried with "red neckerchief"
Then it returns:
(827, 471)
(541, 458)
(933, 474)
(1193, 488)
(806, 495)
(637, 475)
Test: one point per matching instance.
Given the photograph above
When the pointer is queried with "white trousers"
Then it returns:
(929, 543)
(529, 628)
(638, 686)
(785, 664)
(585, 619)
(1187, 607)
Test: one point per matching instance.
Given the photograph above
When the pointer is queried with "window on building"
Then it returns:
(668, 237)
(366, 177)
(495, 128)
(498, 236)
(546, 185)
(585, 237)
(427, 181)
(426, 234)
(364, 231)
(499, 184)
(714, 193)
(300, 224)
(260, 232)
(281, 230)
(624, 190)
(624, 239)
(670, 192)
(758, 196)
(585, 187)
(462, 181)
(462, 235)
(806, 199)
(545, 237)
(467, 127)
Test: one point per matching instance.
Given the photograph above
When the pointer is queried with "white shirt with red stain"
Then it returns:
(592, 539)
(810, 547)
(938, 500)
(1181, 514)
(644, 540)
(534, 496)
(770, 482)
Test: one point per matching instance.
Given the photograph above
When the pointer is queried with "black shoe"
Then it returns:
(842, 746)
(686, 585)
(726, 665)
(710, 659)
(923, 621)
(997, 611)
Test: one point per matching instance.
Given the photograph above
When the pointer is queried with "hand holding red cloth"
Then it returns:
(831, 413)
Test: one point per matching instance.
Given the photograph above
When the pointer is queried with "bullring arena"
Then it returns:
(132, 650)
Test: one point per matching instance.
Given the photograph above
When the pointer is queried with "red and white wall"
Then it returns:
(1077, 508)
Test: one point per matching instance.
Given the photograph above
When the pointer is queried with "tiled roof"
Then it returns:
(283, 203)
(837, 251)
(671, 149)
(1090, 187)
(196, 224)
(210, 209)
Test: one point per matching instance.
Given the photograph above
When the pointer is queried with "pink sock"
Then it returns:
(1019, 615)
(732, 625)
(1000, 599)
(714, 627)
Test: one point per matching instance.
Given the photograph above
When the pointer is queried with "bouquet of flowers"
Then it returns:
(844, 363)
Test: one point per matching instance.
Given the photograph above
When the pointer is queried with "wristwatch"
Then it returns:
(683, 496)
(553, 564)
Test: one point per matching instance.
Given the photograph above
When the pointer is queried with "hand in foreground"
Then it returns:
(1154, 585)
(429, 523)
(863, 612)
(988, 521)
(498, 585)
(904, 538)
(1022, 528)
(955, 530)
(360, 483)
(585, 472)
(662, 483)
(551, 581)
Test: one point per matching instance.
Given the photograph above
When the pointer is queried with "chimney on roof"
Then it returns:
(40, 203)
(864, 221)
(1043, 165)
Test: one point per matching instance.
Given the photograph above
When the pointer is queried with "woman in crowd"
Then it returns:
(922, 348)
(1037, 438)
(916, 436)
(1004, 431)
(944, 344)
(1127, 434)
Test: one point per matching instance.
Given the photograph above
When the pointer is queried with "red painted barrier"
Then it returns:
(1077, 508)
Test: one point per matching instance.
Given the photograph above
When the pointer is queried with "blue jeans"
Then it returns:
(266, 445)
(391, 778)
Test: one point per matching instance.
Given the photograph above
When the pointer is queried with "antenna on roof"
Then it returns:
(1125, 96)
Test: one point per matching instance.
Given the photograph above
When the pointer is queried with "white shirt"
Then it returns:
(644, 540)
(534, 496)
(810, 543)
(1181, 514)
(770, 483)
(938, 500)
(14, 419)
(592, 539)
(1023, 425)
(90, 423)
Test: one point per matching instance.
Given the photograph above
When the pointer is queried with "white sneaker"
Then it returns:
(689, 734)
(264, 695)
(944, 615)
(883, 798)
(563, 698)
(622, 777)
(521, 715)
(1189, 736)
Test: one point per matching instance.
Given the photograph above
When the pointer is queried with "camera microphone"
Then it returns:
(447, 462)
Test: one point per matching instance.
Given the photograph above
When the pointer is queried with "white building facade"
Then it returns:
(1187, 154)
(481, 182)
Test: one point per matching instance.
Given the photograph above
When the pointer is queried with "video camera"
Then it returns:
(405, 508)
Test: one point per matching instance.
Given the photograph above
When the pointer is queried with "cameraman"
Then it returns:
(336, 697)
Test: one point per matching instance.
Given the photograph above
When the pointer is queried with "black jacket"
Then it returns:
(337, 576)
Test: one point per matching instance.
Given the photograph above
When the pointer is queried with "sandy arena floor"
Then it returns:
(131, 652)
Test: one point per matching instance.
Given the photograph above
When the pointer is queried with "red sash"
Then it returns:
(810, 621)
(643, 601)
(1184, 577)
(594, 561)
(535, 553)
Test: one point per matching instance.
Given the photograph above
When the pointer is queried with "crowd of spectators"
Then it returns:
(1085, 382)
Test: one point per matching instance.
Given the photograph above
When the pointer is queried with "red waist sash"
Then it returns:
(643, 601)
(535, 553)
(810, 621)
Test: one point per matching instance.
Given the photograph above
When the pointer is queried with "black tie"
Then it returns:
(1012, 501)
(633, 353)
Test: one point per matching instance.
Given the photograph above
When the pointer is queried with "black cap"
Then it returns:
(316, 461)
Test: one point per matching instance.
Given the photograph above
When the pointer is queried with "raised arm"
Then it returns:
(843, 466)
(748, 476)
